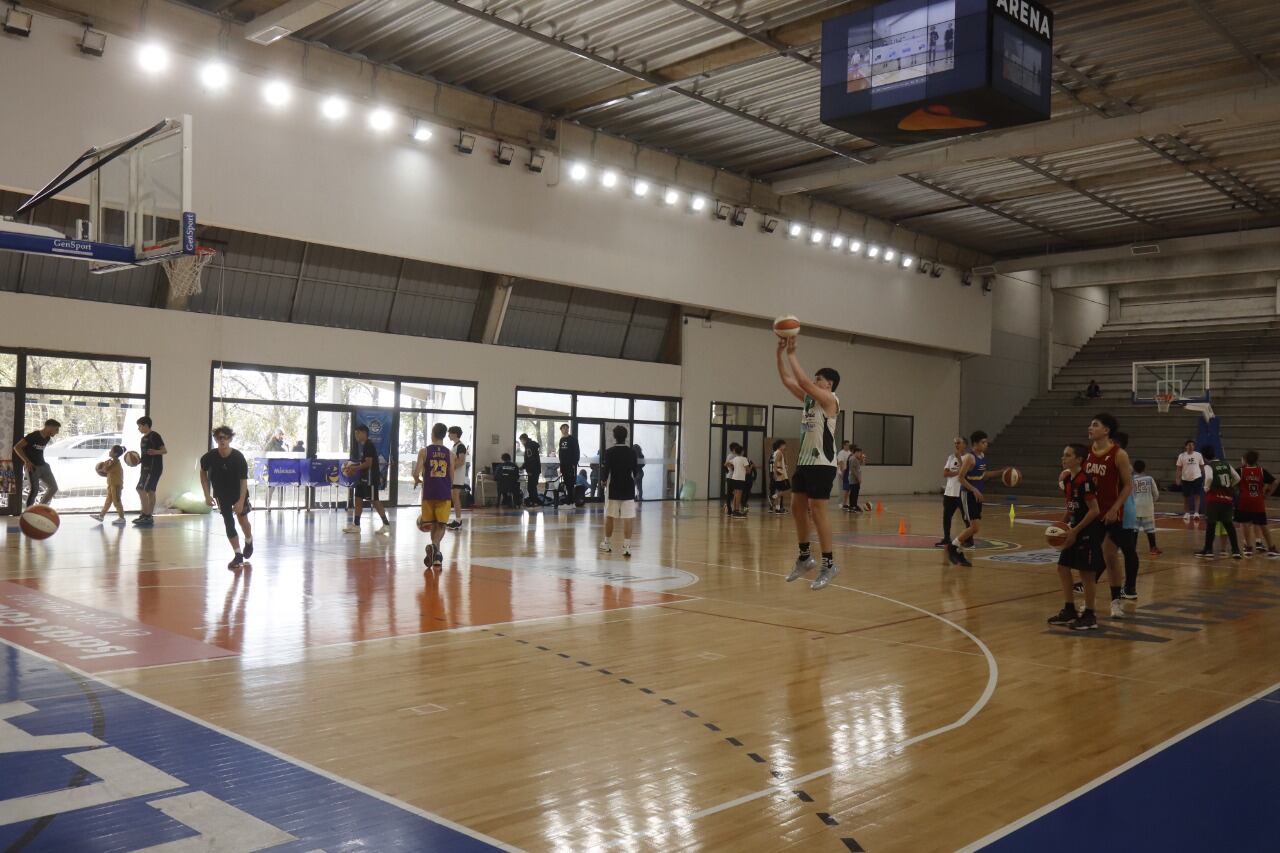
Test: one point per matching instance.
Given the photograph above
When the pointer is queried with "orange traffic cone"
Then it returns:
(879, 508)
(902, 527)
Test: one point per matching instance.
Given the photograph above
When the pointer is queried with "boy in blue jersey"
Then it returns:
(973, 470)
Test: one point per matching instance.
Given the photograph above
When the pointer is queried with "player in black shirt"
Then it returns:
(532, 468)
(30, 449)
(569, 455)
(1082, 550)
(369, 482)
(224, 476)
(507, 476)
(618, 473)
(151, 449)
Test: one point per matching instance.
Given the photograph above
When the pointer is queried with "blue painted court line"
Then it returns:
(135, 775)
(1213, 787)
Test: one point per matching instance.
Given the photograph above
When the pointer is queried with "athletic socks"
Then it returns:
(804, 550)
(1115, 593)
(827, 560)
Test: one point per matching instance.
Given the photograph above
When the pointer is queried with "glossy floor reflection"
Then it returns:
(551, 697)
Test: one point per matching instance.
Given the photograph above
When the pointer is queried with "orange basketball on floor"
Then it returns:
(1011, 477)
(1055, 536)
(132, 459)
(786, 326)
(39, 522)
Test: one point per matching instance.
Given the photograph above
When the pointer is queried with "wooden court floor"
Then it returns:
(552, 697)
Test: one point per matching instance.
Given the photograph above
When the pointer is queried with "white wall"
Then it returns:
(735, 362)
(289, 174)
(1078, 313)
(997, 386)
(182, 347)
(1253, 295)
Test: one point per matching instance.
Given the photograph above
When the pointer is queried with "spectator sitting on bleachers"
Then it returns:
(1093, 391)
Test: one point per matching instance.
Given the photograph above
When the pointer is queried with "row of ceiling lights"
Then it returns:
(610, 179)
(215, 76)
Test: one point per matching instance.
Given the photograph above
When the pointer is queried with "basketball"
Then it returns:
(1011, 477)
(868, 506)
(101, 468)
(786, 326)
(424, 524)
(349, 469)
(39, 522)
(1055, 536)
(132, 459)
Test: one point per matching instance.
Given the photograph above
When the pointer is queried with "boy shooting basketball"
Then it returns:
(434, 470)
(816, 463)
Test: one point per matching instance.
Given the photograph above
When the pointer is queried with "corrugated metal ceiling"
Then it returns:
(1113, 57)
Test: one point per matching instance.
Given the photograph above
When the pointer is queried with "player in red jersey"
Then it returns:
(1256, 485)
(1108, 465)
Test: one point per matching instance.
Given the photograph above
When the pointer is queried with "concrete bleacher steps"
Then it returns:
(1245, 385)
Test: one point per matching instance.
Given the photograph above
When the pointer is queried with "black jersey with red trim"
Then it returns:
(1079, 490)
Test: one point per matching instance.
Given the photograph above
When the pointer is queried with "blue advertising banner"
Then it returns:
(323, 472)
(284, 472)
(380, 423)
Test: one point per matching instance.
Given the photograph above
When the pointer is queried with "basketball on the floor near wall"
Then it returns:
(786, 326)
(1055, 536)
(132, 459)
(1011, 477)
(39, 522)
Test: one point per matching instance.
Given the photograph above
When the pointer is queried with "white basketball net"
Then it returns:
(1164, 401)
(184, 271)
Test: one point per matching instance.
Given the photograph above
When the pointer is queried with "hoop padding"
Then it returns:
(1164, 401)
(184, 271)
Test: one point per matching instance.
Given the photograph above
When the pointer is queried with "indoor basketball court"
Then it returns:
(583, 427)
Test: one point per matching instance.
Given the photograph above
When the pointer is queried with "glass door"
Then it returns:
(591, 446)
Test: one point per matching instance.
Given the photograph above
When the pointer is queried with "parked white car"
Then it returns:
(72, 460)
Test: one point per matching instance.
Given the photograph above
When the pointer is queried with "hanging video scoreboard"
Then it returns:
(910, 71)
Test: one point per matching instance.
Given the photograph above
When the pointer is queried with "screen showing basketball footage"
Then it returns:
(902, 46)
(909, 71)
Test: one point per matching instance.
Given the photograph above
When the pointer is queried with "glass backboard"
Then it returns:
(1186, 379)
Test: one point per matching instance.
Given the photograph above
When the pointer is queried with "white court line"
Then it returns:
(392, 801)
(785, 787)
(1106, 777)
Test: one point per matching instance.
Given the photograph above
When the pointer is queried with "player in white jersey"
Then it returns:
(816, 462)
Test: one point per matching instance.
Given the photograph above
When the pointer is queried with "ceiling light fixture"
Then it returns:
(537, 162)
(795, 230)
(421, 132)
(873, 251)
(855, 246)
(333, 108)
(768, 225)
(505, 154)
(697, 203)
(837, 241)
(92, 42)
(578, 172)
(671, 196)
(608, 179)
(215, 76)
(17, 22)
(739, 217)
(890, 254)
(381, 119)
(816, 236)
(153, 58)
(276, 93)
(640, 188)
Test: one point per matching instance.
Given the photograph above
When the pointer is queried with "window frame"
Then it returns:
(911, 443)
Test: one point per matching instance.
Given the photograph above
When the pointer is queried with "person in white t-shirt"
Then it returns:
(1191, 477)
(779, 479)
(842, 471)
(951, 489)
(737, 466)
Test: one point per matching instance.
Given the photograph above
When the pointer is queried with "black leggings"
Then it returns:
(1210, 530)
(227, 508)
(1127, 541)
(855, 489)
(950, 506)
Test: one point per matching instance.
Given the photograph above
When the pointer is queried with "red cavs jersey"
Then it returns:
(1106, 476)
(1252, 489)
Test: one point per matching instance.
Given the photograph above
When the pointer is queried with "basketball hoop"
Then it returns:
(1164, 401)
(184, 271)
